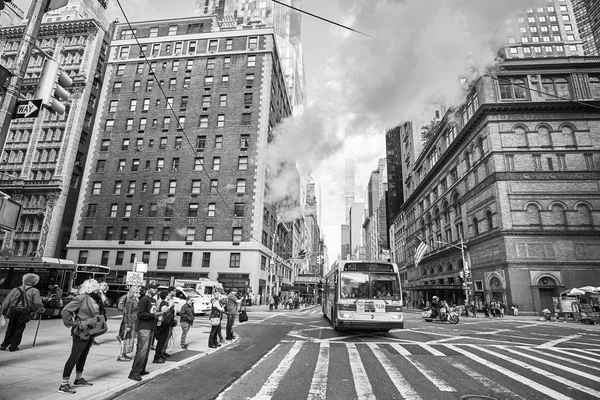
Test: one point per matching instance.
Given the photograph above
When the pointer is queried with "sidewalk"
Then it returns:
(36, 372)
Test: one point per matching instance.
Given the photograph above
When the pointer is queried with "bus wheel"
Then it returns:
(334, 322)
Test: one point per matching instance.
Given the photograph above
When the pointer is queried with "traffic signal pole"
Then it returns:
(11, 96)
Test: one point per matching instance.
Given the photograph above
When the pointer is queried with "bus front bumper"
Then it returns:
(370, 321)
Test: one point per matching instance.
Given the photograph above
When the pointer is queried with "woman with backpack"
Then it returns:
(128, 304)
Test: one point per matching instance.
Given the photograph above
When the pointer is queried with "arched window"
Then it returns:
(440, 269)
(480, 148)
(558, 214)
(475, 227)
(449, 267)
(555, 88)
(436, 219)
(520, 137)
(568, 135)
(548, 89)
(467, 158)
(544, 136)
(456, 203)
(489, 220)
(445, 212)
(533, 214)
(512, 89)
(584, 214)
(562, 88)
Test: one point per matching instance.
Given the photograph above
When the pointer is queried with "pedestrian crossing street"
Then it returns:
(330, 369)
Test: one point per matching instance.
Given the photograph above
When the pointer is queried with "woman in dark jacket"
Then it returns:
(87, 304)
(186, 320)
(127, 328)
(215, 312)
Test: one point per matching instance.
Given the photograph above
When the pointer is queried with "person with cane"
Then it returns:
(18, 306)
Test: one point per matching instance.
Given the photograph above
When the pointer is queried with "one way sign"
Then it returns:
(28, 108)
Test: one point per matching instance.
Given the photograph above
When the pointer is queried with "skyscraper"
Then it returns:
(287, 24)
(587, 14)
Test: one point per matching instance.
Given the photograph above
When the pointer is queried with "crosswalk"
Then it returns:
(329, 369)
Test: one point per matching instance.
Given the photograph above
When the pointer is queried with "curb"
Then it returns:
(128, 386)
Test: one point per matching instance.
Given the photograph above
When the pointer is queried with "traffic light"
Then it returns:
(2, 3)
(50, 90)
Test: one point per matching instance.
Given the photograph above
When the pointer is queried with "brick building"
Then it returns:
(42, 159)
(179, 174)
(513, 173)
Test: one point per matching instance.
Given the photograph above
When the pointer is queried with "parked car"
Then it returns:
(201, 303)
(114, 292)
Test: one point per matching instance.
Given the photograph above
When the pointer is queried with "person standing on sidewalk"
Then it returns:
(87, 304)
(17, 307)
(127, 328)
(146, 327)
(186, 320)
(216, 311)
(163, 325)
(232, 310)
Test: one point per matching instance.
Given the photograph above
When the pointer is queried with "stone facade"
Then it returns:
(512, 175)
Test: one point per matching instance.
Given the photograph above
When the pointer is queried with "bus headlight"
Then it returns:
(345, 315)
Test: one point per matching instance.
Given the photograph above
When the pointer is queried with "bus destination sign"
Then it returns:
(372, 267)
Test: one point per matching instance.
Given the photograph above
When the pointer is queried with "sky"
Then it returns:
(412, 52)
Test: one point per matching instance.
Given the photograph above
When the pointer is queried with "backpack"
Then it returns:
(121, 303)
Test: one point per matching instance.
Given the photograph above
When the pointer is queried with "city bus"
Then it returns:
(67, 274)
(363, 295)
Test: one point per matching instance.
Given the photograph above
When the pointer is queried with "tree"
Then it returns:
(427, 131)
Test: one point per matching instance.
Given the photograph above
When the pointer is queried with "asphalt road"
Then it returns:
(296, 355)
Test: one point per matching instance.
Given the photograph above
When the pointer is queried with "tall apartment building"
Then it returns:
(42, 159)
(287, 24)
(512, 174)
(375, 218)
(178, 177)
(587, 14)
(549, 29)
(356, 215)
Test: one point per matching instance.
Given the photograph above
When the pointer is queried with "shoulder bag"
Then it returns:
(243, 315)
(91, 327)
(215, 315)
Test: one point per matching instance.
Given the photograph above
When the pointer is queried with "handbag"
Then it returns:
(128, 345)
(92, 327)
(243, 315)
(215, 321)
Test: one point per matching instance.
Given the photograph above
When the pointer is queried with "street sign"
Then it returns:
(135, 278)
(4, 76)
(28, 108)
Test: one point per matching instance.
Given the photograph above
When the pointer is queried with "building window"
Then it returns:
(222, 100)
(475, 227)
(246, 119)
(153, 210)
(595, 86)
(161, 262)
(241, 186)
(211, 210)
(208, 235)
(193, 210)
(537, 162)
(228, 44)
(219, 142)
(509, 162)
(96, 187)
(489, 220)
(589, 162)
(166, 234)
(172, 187)
(249, 80)
(112, 213)
(555, 88)
(513, 89)
(199, 164)
(195, 186)
(216, 163)
(208, 80)
(124, 232)
(220, 120)
(251, 61)
(186, 259)
(243, 163)
(562, 162)
(214, 186)
(168, 210)
(244, 141)
(205, 260)
(110, 231)
(238, 210)
(87, 233)
(117, 188)
(234, 260)
(190, 234)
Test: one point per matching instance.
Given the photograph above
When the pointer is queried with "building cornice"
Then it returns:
(52, 28)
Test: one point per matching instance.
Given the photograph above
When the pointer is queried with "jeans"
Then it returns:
(145, 337)
(14, 331)
(229, 327)
(185, 327)
(213, 340)
(220, 330)
(79, 353)
(161, 343)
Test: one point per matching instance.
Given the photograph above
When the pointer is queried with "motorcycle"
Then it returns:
(444, 314)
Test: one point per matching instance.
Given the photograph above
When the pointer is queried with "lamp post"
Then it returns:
(466, 270)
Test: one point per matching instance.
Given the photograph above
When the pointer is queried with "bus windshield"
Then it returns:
(365, 285)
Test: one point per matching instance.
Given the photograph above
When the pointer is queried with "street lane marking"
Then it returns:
(497, 368)
(266, 392)
(548, 354)
(318, 386)
(397, 378)
(432, 350)
(553, 343)
(542, 372)
(485, 381)
(361, 380)
(223, 396)
(439, 383)
(572, 353)
(552, 364)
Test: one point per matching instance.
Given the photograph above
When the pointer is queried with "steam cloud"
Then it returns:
(417, 53)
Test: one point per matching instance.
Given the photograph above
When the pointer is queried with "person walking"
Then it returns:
(17, 307)
(186, 320)
(216, 311)
(86, 305)
(129, 321)
(232, 310)
(146, 327)
(515, 309)
(486, 309)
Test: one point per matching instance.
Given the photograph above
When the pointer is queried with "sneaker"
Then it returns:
(66, 389)
(81, 382)
(135, 377)
(158, 361)
(123, 358)
(165, 354)
(184, 346)
(3, 347)
(13, 349)
(144, 373)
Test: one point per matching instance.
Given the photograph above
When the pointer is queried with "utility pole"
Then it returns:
(11, 96)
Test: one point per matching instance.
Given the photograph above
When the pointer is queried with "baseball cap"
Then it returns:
(152, 285)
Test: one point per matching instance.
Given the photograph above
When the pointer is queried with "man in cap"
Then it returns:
(232, 309)
(146, 327)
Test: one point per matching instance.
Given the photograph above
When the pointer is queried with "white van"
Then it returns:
(201, 303)
(204, 286)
